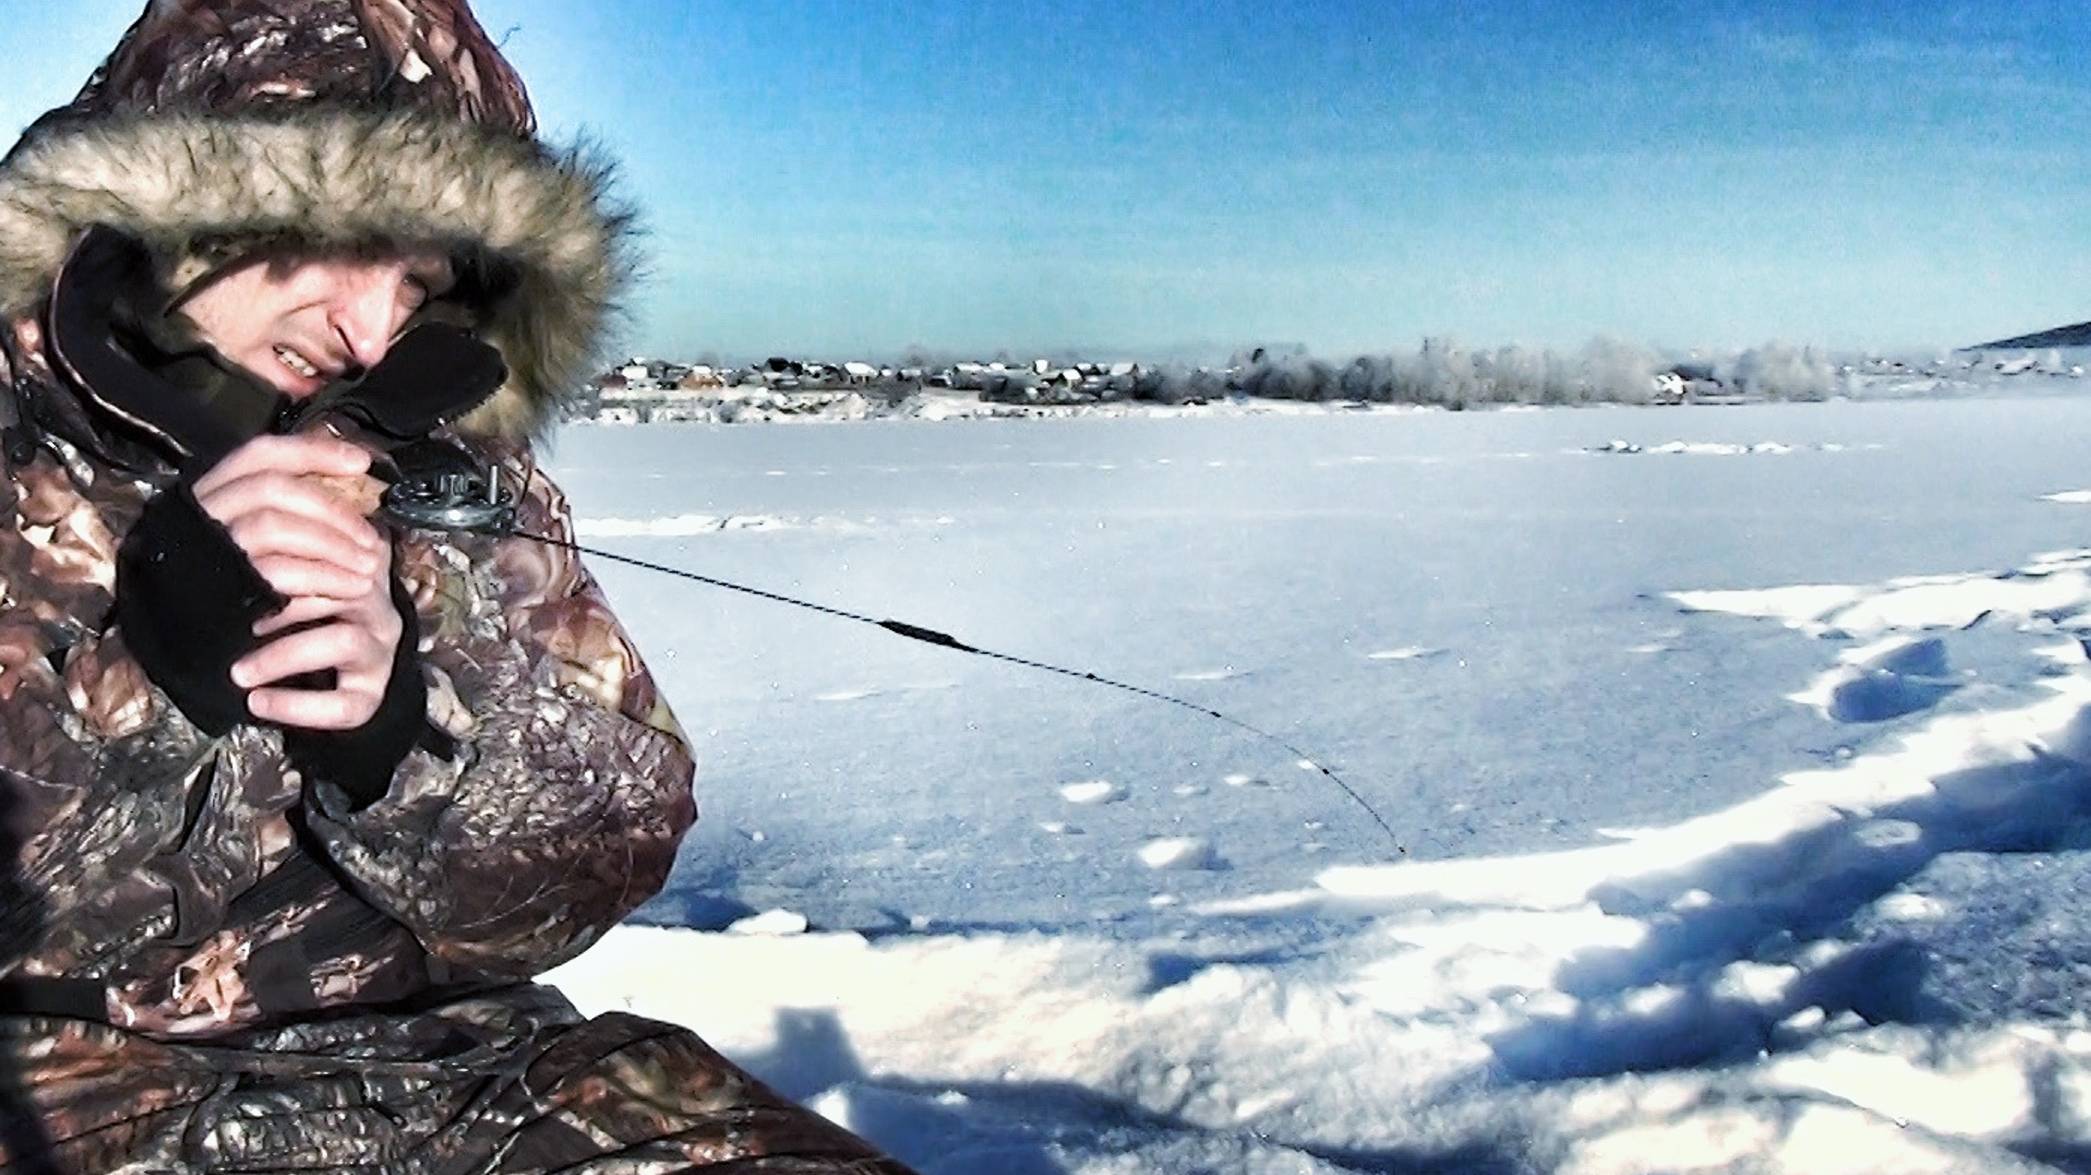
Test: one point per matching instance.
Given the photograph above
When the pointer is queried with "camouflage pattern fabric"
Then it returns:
(507, 1084)
(282, 983)
(208, 963)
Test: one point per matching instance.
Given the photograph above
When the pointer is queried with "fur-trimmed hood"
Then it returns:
(337, 176)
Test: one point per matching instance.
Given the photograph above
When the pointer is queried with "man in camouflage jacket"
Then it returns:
(238, 944)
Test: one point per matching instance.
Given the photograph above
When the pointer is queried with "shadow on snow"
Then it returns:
(1668, 1001)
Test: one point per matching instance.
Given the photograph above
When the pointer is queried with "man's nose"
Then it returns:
(366, 313)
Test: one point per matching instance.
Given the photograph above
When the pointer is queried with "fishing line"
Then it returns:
(930, 636)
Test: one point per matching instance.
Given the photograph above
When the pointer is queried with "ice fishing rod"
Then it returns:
(473, 500)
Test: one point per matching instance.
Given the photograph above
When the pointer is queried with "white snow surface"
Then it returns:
(1092, 791)
(1741, 805)
(1702, 448)
(691, 524)
(1178, 852)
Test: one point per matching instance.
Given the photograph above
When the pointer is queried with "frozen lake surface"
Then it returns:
(1664, 731)
(1460, 613)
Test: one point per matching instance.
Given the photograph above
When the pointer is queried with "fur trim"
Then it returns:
(344, 178)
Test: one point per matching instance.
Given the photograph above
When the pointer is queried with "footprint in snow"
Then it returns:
(1877, 697)
(1883, 681)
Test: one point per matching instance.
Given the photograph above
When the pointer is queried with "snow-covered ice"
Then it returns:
(687, 524)
(770, 922)
(1178, 852)
(1223, 674)
(1804, 893)
(1707, 448)
(1403, 653)
(1092, 791)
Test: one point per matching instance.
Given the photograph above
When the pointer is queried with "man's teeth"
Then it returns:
(297, 363)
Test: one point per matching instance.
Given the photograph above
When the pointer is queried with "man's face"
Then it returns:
(298, 322)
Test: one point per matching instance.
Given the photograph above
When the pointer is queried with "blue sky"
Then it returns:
(854, 177)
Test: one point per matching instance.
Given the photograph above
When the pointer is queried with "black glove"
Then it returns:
(187, 600)
(433, 374)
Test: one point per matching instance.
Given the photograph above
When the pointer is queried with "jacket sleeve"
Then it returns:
(96, 765)
(558, 804)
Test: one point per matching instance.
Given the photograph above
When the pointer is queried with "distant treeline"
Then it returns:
(1441, 372)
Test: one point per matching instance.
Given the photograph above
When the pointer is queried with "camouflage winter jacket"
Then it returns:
(202, 886)
(214, 964)
(209, 960)
(190, 886)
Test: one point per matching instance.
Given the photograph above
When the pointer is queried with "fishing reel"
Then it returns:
(443, 488)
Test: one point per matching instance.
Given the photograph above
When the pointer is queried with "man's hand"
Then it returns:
(311, 546)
